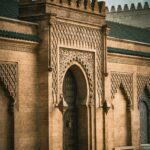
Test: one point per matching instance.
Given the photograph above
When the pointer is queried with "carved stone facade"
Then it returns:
(73, 93)
(9, 78)
(86, 41)
(69, 57)
(122, 79)
(143, 81)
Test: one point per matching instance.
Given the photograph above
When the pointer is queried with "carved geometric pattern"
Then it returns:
(142, 82)
(8, 77)
(85, 59)
(122, 79)
(77, 36)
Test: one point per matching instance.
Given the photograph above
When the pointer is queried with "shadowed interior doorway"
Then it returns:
(75, 120)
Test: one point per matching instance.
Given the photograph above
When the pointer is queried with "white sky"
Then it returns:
(109, 3)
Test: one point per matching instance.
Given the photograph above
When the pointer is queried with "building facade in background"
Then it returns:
(131, 15)
(70, 80)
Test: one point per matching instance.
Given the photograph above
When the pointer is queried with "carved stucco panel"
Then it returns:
(8, 78)
(86, 59)
(142, 82)
(80, 37)
(122, 79)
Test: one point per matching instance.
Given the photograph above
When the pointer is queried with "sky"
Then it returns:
(109, 3)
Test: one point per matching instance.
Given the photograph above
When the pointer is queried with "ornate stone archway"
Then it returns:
(75, 47)
(75, 111)
(85, 61)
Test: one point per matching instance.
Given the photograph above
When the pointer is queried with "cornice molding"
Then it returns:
(128, 52)
(17, 35)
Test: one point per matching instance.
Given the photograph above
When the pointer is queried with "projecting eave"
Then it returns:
(18, 21)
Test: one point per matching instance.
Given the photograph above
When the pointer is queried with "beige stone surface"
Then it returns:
(108, 115)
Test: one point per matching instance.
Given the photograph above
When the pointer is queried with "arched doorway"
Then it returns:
(144, 118)
(70, 132)
(75, 122)
(6, 122)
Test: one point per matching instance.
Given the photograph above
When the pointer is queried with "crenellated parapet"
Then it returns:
(127, 7)
(32, 8)
(93, 6)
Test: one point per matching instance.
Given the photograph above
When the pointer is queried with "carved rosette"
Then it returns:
(143, 81)
(8, 78)
(122, 79)
(80, 37)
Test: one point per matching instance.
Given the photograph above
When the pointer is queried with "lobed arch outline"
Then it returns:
(82, 70)
(143, 83)
(76, 64)
(145, 88)
(124, 81)
(124, 93)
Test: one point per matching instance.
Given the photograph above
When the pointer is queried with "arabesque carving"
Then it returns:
(142, 82)
(8, 78)
(80, 37)
(122, 79)
(86, 59)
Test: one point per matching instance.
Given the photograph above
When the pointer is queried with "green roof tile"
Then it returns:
(128, 52)
(21, 36)
(122, 31)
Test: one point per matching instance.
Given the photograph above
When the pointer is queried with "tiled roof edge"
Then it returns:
(17, 35)
(127, 32)
(127, 25)
(128, 52)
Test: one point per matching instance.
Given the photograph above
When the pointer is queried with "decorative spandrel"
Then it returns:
(142, 82)
(8, 78)
(124, 80)
(87, 61)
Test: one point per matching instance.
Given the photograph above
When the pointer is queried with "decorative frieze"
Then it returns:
(143, 81)
(122, 80)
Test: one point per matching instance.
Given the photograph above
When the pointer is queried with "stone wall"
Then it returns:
(19, 73)
(123, 84)
(109, 84)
